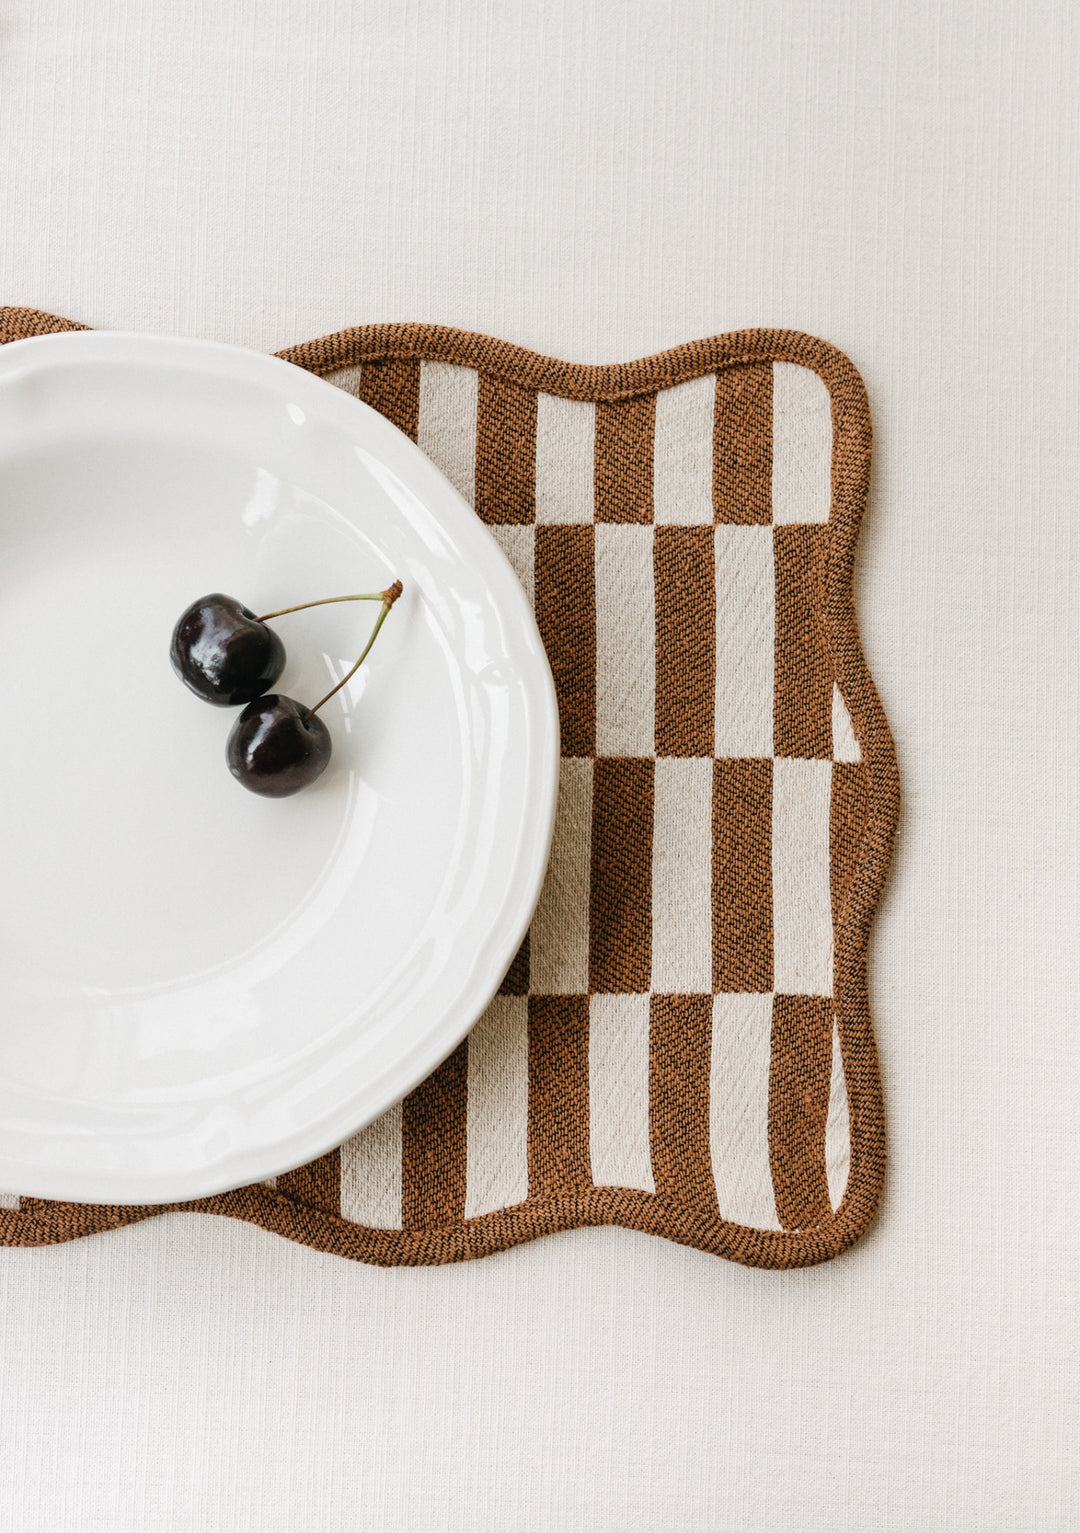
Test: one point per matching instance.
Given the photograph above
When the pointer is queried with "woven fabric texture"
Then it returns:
(683, 1043)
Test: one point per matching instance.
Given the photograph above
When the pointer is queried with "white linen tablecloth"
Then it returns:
(600, 180)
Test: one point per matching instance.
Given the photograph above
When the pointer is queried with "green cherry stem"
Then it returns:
(388, 598)
(325, 601)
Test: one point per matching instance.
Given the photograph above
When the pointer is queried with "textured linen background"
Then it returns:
(601, 180)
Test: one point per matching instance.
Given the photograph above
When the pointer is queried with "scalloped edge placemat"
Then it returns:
(683, 1045)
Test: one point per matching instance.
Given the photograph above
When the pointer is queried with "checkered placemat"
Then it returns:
(683, 1043)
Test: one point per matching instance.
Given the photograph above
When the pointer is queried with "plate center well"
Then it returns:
(130, 856)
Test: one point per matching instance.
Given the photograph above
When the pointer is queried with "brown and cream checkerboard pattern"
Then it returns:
(682, 1045)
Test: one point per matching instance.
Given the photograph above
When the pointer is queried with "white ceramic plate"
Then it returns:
(200, 988)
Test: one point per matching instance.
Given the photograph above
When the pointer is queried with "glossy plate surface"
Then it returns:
(200, 988)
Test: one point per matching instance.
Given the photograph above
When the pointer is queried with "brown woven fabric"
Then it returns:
(644, 783)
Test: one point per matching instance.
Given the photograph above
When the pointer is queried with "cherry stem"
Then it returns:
(325, 601)
(388, 598)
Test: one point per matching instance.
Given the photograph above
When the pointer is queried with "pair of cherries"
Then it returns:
(228, 656)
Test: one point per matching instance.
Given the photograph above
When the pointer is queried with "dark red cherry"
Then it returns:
(223, 653)
(277, 746)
